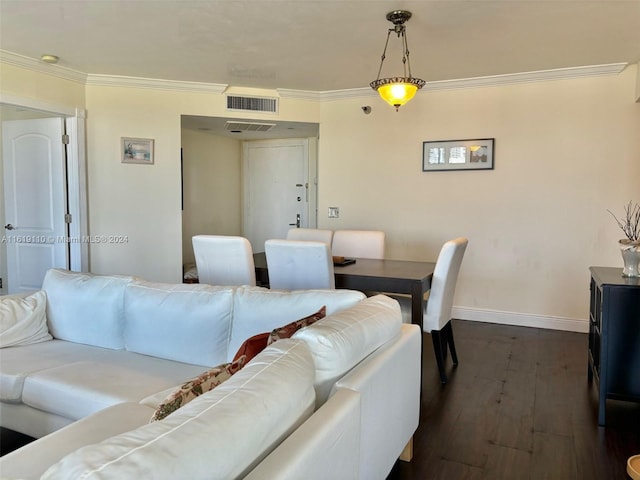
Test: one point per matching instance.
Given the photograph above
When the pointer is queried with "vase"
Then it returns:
(631, 258)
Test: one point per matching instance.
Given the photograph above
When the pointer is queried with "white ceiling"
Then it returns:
(318, 45)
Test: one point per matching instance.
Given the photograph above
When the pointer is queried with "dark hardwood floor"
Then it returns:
(518, 406)
(10, 440)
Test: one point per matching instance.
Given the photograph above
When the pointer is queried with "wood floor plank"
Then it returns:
(504, 462)
(553, 457)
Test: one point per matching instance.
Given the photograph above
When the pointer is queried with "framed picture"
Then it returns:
(137, 150)
(447, 155)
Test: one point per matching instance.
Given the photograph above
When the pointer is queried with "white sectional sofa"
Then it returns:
(340, 399)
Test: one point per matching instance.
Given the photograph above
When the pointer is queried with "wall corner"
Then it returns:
(637, 95)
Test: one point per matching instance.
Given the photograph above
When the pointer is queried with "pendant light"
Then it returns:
(397, 91)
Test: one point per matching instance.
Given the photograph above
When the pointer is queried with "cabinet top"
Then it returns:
(612, 276)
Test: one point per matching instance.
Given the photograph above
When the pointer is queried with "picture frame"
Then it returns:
(137, 150)
(448, 155)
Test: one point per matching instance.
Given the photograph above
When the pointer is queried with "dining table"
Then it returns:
(380, 275)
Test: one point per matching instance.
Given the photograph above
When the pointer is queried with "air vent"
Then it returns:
(252, 104)
(248, 126)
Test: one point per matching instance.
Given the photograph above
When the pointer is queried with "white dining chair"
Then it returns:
(224, 260)
(299, 265)
(437, 315)
(310, 234)
(358, 243)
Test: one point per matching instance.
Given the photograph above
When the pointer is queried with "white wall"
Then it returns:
(566, 151)
(212, 187)
(144, 201)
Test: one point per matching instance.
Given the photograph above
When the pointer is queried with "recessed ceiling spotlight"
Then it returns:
(48, 58)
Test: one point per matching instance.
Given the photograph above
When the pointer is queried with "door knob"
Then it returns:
(8, 226)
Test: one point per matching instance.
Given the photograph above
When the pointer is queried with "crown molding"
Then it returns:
(474, 82)
(527, 77)
(155, 83)
(39, 66)
(326, 95)
(318, 96)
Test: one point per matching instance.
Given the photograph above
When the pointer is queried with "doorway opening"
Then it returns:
(220, 179)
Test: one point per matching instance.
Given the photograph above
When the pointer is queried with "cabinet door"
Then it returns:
(622, 312)
(595, 321)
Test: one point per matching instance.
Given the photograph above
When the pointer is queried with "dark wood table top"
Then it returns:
(392, 269)
(394, 276)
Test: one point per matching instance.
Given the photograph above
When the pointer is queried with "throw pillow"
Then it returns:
(23, 320)
(254, 345)
(288, 330)
(203, 383)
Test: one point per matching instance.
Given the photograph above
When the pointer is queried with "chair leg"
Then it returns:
(452, 345)
(443, 341)
(437, 348)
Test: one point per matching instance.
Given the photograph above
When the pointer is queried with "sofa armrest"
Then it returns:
(325, 446)
(389, 382)
(32, 460)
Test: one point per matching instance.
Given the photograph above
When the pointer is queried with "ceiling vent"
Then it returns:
(252, 104)
(248, 126)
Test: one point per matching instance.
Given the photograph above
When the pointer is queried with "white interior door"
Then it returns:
(276, 189)
(35, 200)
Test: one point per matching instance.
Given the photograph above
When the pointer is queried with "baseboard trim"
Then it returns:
(521, 319)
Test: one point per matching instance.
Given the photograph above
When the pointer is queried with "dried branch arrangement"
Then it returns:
(630, 223)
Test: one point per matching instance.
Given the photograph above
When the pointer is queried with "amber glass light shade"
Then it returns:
(397, 94)
(397, 91)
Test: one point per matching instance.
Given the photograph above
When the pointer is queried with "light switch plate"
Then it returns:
(334, 212)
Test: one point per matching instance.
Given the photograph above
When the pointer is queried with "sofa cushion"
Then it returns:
(16, 364)
(220, 435)
(23, 320)
(86, 308)
(205, 382)
(183, 322)
(340, 341)
(254, 345)
(257, 309)
(78, 389)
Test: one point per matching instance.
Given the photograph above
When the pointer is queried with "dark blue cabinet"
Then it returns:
(614, 336)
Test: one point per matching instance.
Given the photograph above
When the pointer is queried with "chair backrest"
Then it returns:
(443, 284)
(358, 243)
(311, 235)
(224, 260)
(298, 265)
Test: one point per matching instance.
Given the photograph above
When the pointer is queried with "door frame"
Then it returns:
(76, 172)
